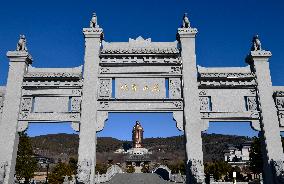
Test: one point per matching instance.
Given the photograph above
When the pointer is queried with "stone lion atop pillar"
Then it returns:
(22, 44)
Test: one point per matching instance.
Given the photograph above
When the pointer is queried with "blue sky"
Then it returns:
(54, 34)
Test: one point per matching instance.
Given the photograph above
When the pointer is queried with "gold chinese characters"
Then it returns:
(135, 87)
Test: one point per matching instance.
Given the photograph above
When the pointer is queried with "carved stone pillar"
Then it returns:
(19, 61)
(87, 144)
(270, 135)
(192, 119)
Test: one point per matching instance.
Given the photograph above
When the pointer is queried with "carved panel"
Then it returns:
(104, 70)
(226, 83)
(281, 118)
(230, 116)
(175, 88)
(176, 70)
(205, 103)
(227, 100)
(49, 117)
(76, 92)
(53, 83)
(279, 93)
(118, 71)
(103, 105)
(203, 93)
(76, 104)
(280, 103)
(251, 103)
(140, 88)
(51, 92)
(53, 75)
(26, 104)
(178, 104)
(51, 104)
(227, 75)
(140, 106)
(253, 91)
(105, 88)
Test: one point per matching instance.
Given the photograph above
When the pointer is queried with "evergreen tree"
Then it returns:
(58, 173)
(218, 169)
(26, 164)
(255, 156)
(73, 165)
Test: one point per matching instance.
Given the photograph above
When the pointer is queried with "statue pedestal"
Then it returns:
(138, 151)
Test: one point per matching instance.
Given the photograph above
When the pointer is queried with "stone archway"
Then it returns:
(138, 71)
(163, 171)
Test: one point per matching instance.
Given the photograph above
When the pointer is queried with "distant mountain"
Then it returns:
(64, 146)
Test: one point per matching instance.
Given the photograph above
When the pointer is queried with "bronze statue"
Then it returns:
(256, 44)
(137, 135)
(21, 45)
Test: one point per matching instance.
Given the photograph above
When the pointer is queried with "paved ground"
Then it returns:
(137, 178)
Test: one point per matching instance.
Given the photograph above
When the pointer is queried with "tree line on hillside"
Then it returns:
(26, 164)
(64, 146)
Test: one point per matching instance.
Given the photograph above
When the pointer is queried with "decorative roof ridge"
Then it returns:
(62, 73)
(139, 46)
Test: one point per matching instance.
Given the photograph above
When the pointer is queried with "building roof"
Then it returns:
(138, 158)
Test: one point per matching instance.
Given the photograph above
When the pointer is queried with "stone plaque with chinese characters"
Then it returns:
(140, 88)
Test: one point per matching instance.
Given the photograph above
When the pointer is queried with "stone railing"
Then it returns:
(111, 171)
